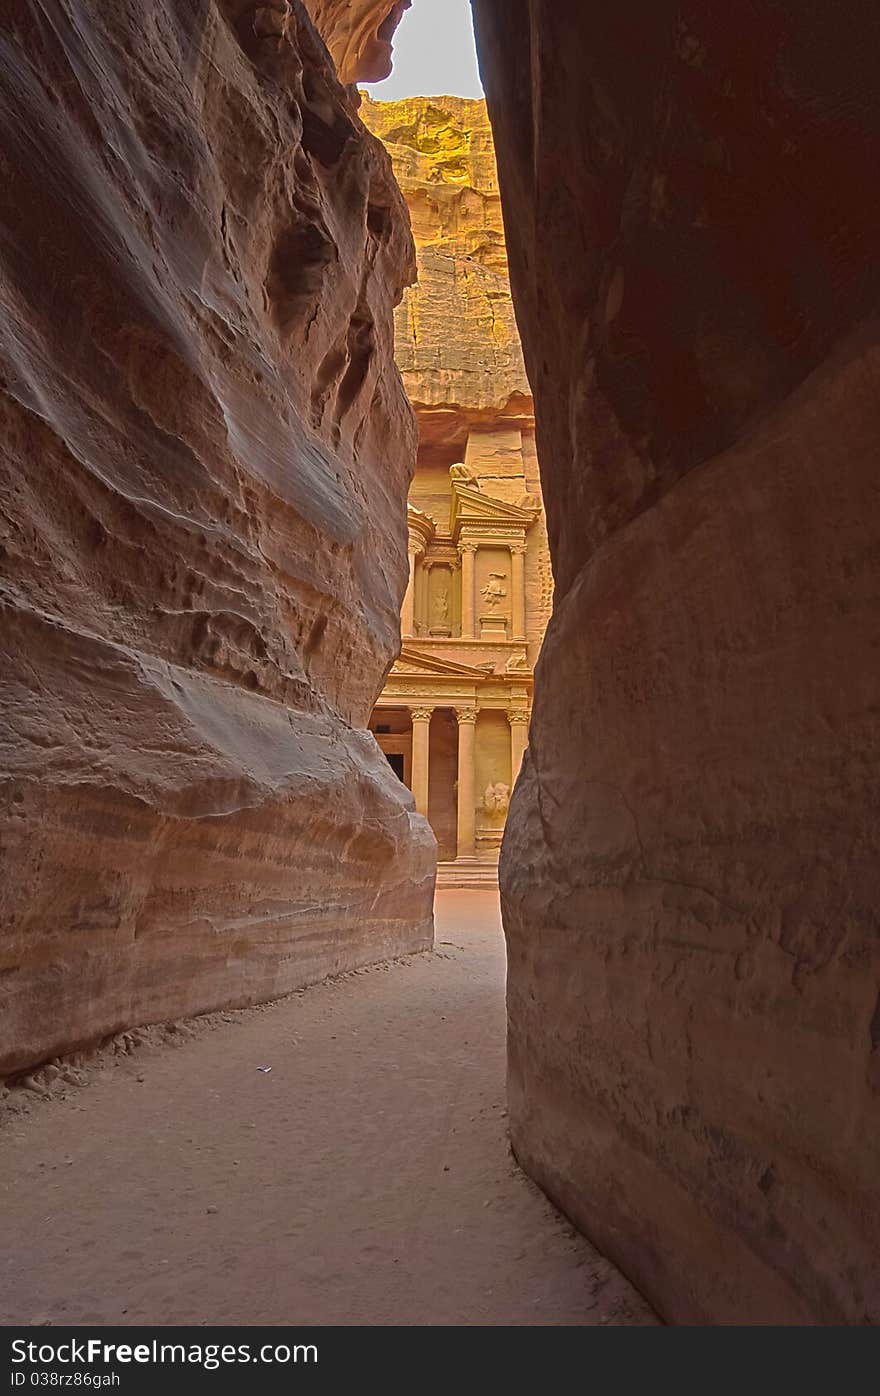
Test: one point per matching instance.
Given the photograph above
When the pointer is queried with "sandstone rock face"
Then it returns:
(689, 874)
(456, 339)
(205, 456)
(358, 33)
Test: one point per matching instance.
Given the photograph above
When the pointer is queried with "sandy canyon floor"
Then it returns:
(365, 1179)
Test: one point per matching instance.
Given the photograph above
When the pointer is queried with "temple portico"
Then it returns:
(460, 760)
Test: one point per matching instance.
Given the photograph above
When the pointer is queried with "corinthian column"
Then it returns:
(467, 815)
(408, 609)
(519, 740)
(420, 529)
(468, 552)
(421, 734)
(518, 589)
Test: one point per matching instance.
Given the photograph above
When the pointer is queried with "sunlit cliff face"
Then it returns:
(359, 35)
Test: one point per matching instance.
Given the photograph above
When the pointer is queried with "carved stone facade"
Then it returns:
(453, 717)
(461, 690)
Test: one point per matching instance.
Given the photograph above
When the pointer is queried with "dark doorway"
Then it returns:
(395, 761)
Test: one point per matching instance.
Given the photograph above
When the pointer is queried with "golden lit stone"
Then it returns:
(453, 718)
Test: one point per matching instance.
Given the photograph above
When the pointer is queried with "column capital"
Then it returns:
(415, 544)
(517, 546)
(421, 527)
(467, 552)
(519, 738)
(421, 756)
(466, 835)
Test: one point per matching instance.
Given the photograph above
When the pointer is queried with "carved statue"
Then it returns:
(461, 474)
(493, 593)
(440, 606)
(419, 514)
(516, 662)
(496, 798)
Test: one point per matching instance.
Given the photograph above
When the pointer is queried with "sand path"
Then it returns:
(366, 1179)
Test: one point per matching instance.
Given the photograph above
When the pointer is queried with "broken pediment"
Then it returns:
(471, 506)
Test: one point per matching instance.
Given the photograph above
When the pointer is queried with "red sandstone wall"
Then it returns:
(204, 458)
(690, 872)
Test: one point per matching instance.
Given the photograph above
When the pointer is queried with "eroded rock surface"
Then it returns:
(456, 339)
(205, 457)
(689, 875)
(358, 33)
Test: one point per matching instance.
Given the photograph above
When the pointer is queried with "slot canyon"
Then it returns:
(208, 449)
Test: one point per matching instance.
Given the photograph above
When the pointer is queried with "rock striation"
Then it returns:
(205, 453)
(358, 33)
(456, 340)
(689, 874)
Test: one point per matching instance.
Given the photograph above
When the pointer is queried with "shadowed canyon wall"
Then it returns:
(690, 870)
(205, 453)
